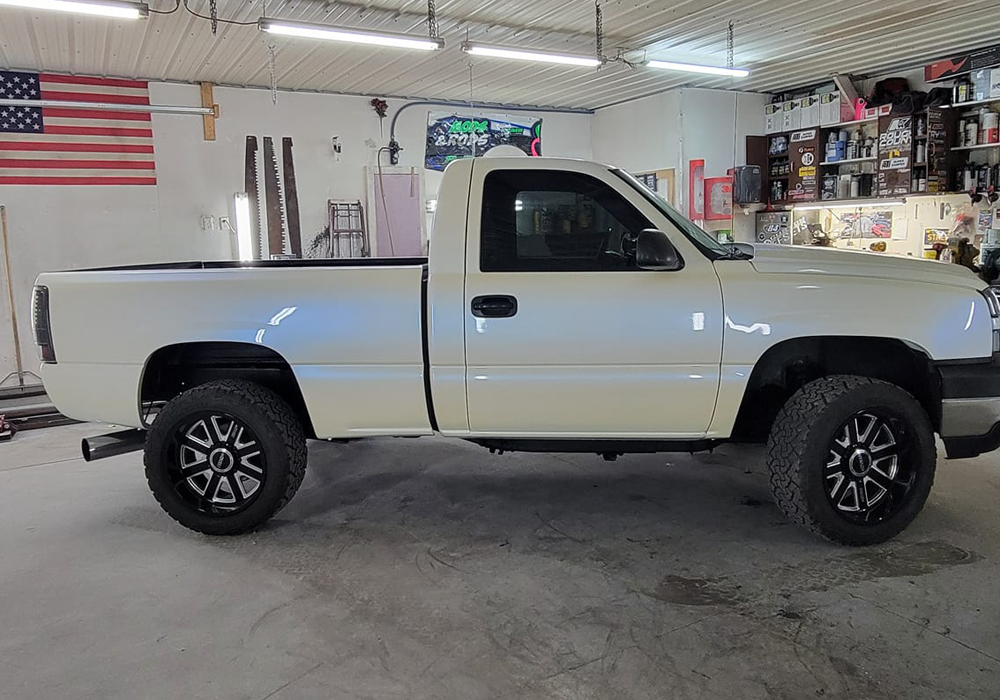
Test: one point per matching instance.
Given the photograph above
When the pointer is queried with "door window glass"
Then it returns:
(547, 220)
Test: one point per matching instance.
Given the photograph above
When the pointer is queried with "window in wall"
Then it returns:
(545, 220)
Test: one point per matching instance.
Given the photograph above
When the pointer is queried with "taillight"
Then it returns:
(40, 324)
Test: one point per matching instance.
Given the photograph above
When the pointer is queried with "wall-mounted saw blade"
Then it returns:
(250, 186)
(275, 202)
(291, 198)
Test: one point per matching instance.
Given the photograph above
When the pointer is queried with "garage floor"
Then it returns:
(430, 569)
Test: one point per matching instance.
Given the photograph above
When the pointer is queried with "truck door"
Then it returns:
(564, 335)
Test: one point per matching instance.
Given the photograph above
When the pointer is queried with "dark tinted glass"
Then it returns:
(548, 220)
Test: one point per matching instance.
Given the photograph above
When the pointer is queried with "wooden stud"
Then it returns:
(208, 121)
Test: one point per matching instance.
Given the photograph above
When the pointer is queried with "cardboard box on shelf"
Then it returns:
(772, 118)
(880, 111)
(980, 83)
(809, 111)
(790, 115)
(995, 82)
(833, 110)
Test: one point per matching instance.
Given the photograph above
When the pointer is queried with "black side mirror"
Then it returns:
(654, 251)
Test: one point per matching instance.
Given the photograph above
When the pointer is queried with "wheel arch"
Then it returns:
(175, 368)
(791, 363)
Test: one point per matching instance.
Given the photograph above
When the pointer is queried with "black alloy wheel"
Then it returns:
(852, 458)
(225, 456)
(870, 469)
(215, 463)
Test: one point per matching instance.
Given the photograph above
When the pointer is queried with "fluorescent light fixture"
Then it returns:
(475, 49)
(103, 8)
(244, 233)
(850, 205)
(354, 36)
(695, 68)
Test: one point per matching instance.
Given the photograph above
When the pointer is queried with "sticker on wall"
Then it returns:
(718, 198)
(696, 189)
(875, 224)
(453, 137)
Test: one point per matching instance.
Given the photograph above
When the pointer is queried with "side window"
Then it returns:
(554, 221)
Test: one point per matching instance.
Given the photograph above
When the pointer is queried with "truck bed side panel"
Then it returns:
(352, 336)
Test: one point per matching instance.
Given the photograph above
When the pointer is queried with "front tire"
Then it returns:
(224, 457)
(852, 459)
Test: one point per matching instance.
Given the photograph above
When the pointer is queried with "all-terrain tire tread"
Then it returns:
(787, 443)
(283, 418)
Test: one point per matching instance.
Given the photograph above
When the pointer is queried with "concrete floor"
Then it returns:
(430, 569)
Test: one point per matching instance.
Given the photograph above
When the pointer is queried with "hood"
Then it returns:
(772, 258)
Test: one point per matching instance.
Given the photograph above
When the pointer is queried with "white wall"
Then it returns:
(672, 128)
(641, 135)
(52, 228)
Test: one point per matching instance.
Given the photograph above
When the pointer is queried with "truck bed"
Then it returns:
(350, 330)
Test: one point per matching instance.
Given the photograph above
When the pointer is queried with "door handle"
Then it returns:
(494, 306)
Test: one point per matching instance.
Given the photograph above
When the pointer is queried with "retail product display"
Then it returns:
(898, 140)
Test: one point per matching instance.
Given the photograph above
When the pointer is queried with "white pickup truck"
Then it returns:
(564, 307)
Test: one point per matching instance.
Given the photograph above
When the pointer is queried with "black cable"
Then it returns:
(166, 12)
(219, 19)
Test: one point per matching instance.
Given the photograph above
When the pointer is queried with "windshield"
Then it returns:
(706, 243)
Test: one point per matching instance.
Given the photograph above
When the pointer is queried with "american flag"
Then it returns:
(72, 146)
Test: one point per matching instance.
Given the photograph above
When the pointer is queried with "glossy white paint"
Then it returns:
(786, 293)
(445, 296)
(609, 354)
(351, 336)
(598, 354)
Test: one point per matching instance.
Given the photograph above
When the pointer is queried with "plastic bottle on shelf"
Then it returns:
(844, 187)
(852, 150)
(989, 121)
(962, 90)
(961, 133)
(831, 147)
(971, 132)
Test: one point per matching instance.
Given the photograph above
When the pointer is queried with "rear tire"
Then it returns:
(852, 459)
(224, 457)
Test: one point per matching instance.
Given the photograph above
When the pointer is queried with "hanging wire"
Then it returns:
(432, 21)
(213, 11)
(177, 6)
(731, 45)
(599, 22)
(273, 73)
(472, 114)
(209, 17)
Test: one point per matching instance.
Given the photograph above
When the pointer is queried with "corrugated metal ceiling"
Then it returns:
(785, 44)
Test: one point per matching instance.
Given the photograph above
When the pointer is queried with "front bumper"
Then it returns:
(970, 407)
